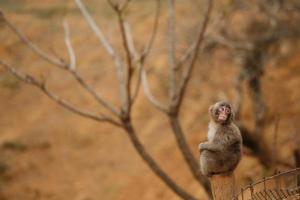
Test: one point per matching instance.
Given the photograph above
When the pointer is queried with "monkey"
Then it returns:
(222, 152)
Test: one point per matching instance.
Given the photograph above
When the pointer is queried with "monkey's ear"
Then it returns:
(210, 110)
(232, 115)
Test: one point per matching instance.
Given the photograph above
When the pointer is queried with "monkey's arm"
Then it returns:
(235, 145)
(209, 146)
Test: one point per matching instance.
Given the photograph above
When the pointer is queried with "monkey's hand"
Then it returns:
(201, 147)
(209, 147)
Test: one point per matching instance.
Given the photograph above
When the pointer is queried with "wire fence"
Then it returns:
(284, 185)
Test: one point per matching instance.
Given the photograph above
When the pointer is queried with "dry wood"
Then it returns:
(223, 187)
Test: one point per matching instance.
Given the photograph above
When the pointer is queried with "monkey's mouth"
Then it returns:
(222, 117)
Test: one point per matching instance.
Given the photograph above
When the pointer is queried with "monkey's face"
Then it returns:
(221, 112)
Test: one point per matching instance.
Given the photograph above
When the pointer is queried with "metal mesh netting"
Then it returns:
(284, 185)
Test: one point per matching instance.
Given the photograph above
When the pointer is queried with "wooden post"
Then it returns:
(223, 187)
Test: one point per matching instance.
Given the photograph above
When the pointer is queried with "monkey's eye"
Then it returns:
(227, 110)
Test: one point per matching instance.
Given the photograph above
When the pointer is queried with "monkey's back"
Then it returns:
(225, 136)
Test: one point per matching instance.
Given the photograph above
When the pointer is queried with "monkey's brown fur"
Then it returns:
(223, 150)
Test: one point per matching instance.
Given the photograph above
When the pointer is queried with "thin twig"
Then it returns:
(149, 45)
(171, 51)
(187, 55)
(224, 40)
(138, 82)
(42, 86)
(149, 95)
(91, 90)
(70, 49)
(33, 47)
(130, 41)
(91, 22)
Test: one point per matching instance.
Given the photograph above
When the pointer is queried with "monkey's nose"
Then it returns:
(222, 116)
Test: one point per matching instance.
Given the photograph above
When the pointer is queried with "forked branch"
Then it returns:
(187, 73)
(145, 52)
(129, 57)
(60, 63)
(42, 86)
(72, 69)
(108, 47)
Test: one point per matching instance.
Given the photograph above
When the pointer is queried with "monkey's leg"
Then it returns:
(209, 163)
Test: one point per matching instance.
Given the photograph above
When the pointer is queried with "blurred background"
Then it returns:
(250, 56)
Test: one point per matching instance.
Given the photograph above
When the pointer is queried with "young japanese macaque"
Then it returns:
(223, 150)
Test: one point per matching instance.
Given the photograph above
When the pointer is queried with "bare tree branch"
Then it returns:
(187, 55)
(72, 70)
(187, 73)
(125, 41)
(108, 47)
(153, 165)
(32, 46)
(224, 40)
(138, 83)
(129, 39)
(146, 51)
(117, 60)
(94, 94)
(42, 86)
(171, 51)
(149, 95)
(149, 45)
(60, 63)
(136, 62)
(70, 49)
(129, 71)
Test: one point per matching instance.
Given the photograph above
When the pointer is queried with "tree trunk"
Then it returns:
(188, 156)
(223, 187)
(153, 165)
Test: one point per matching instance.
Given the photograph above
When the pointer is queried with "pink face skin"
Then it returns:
(224, 112)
